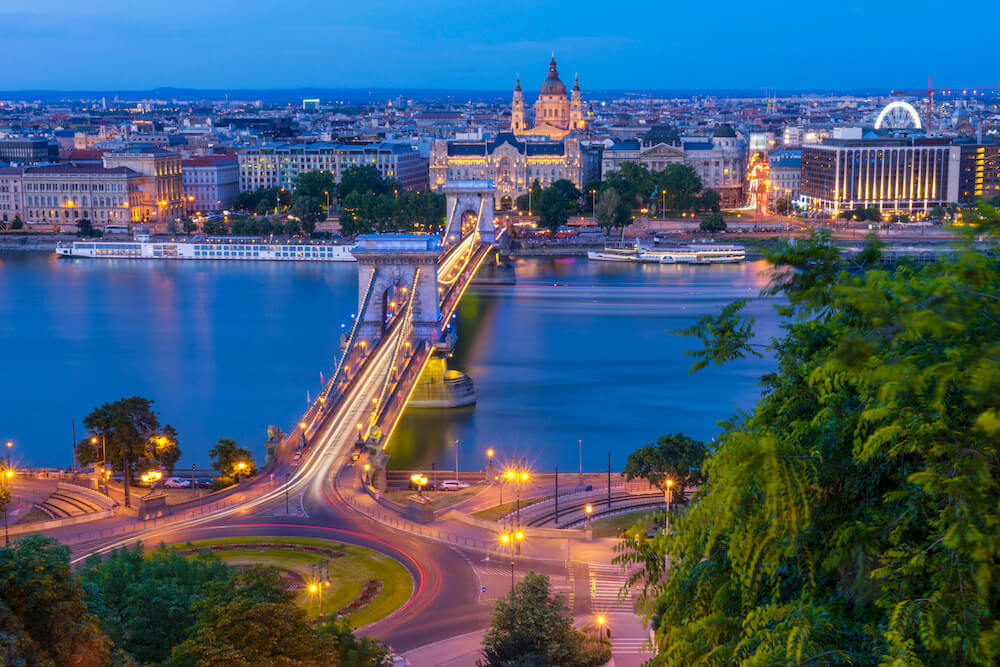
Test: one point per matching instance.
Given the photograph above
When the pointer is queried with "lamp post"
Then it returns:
(104, 459)
(600, 627)
(240, 467)
(668, 491)
(8, 477)
(10, 444)
(510, 538)
(589, 509)
(419, 480)
(368, 469)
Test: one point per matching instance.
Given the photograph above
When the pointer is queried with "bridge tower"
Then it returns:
(395, 259)
(470, 198)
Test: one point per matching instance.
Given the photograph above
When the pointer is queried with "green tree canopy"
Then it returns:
(251, 619)
(226, 455)
(130, 424)
(711, 200)
(552, 213)
(144, 600)
(44, 618)
(308, 210)
(531, 626)
(713, 222)
(365, 179)
(682, 185)
(315, 183)
(674, 457)
(612, 213)
(535, 197)
(852, 516)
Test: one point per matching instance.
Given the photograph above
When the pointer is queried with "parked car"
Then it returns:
(204, 482)
(176, 483)
(451, 485)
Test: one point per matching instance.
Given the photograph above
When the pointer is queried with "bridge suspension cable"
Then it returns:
(404, 331)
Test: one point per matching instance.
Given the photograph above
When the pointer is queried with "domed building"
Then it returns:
(556, 113)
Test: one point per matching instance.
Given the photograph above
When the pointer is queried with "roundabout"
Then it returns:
(354, 582)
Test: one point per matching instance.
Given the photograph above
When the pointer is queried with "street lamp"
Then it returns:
(10, 444)
(240, 467)
(8, 477)
(419, 480)
(589, 509)
(512, 539)
(668, 491)
(600, 627)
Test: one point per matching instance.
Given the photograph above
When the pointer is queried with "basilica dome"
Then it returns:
(552, 85)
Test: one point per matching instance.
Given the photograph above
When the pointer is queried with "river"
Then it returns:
(575, 357)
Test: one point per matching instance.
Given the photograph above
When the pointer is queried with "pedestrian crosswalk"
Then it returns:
(606, 583)
(629, 646)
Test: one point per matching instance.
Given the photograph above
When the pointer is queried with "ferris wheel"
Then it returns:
(898, 115)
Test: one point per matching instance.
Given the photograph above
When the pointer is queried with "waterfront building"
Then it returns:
(28, 151)
(64, 194)
(979, 172)
(784, 174)
(278, 165)
(893, 175)
(211, 182)
(556, 113)
(512, 163)
(719, 159)
(160, 185)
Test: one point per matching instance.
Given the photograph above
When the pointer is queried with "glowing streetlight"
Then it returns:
(240, 467)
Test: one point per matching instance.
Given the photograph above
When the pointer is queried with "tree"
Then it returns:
(129, 425)
(612, 213)
(534, 197)
(189, 225)
(84, 227)
(349, 650)
(17, 223)
(532, 627)
(226, 455)
(308, 210)
(713, 222)
(674, 457)
(144, 600)
(851, 516)
(315, 183)
(682, 184)
(364, 179)
(782, 205)
(551, 209)
(44, 618)
(712, 200)
(592, 188)
(250, 619)
(172, 226)
(214, 228)
(937, 213)
(568, 190)
(522, 202)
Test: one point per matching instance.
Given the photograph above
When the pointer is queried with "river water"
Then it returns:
(575, 356)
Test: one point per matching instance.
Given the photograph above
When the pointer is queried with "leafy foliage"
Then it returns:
(852, 517)
(43, 614)
(532, 627)
(612, 213)
(674, 457)
(144, 601)
(713, 222)
(130, 424)
(226, 455)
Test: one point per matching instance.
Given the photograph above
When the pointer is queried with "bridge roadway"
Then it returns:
(445, 602)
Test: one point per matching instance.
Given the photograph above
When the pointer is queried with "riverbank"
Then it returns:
(31, 242)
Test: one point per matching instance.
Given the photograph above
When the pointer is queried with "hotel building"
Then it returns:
(893, 175)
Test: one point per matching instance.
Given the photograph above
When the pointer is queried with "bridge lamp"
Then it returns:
(93, 441)
(368, 467)
(9, 473)
(589, 509)
(302, 425)
(519, 535)
(525, 476)
(505, 538)
(358, 426)
(363, 343)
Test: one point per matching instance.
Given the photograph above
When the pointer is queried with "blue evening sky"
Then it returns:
(636, 44)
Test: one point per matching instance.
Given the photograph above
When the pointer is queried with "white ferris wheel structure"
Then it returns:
(898, 115)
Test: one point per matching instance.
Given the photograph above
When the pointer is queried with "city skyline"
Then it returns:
(232, 46)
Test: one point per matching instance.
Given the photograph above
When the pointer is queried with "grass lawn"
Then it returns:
(439, 499)
(347, 574)
(497, 511)
(613, 525)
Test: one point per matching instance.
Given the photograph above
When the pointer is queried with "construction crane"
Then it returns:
(929, 93)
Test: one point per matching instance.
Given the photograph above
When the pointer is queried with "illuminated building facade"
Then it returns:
(979, 172)
(211, 182)
(512, 163)
(64, 194)
(719, 160)
(278, 165)
(893, 175)
(28, 151)
(160, 185)
(556, 113)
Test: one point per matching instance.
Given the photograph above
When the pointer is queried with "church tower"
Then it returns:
(576, 121)
(517, 109)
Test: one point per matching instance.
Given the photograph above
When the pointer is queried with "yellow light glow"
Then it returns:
(505, 538)
(589, 508)
(489, 453)
(601, 620)
(368, 467)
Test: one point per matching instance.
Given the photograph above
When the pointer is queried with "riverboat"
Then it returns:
(687, 254)
(210, 249)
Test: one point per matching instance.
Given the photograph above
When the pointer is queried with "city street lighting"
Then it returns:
(512, 539)
(8, 477)
(589, 509)
(10, 444)
(240, 467)
(419, 480)
(668, 491)
(600, 627)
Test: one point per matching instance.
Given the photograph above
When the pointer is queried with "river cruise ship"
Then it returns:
(687, 254)
(210, 249)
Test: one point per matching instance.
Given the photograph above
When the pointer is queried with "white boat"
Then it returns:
(687, 254)
(214, 249)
